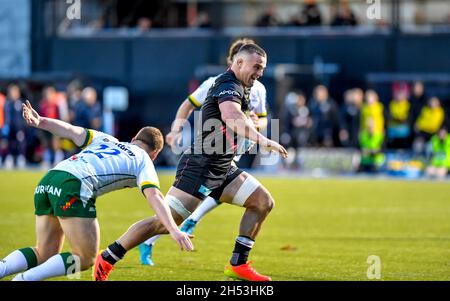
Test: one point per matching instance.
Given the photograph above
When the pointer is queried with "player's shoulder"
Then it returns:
(227, 84)
(210, 80)
(94, 137)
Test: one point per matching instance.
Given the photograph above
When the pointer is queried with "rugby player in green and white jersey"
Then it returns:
(194, 101)
(65, 198)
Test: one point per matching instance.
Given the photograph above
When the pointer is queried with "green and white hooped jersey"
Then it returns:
(105, 165)
(257, 105)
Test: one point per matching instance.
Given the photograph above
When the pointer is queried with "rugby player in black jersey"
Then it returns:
(206, 170)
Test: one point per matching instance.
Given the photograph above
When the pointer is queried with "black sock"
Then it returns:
(241, 250)
(114, 253)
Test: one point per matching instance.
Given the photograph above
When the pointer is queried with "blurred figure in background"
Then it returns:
(428, 123)
(88, 112)
(14, 129)
(343, 15)
(50, 107)
(417, 101)
(298, 123)
(372, 110)
(398, 130)
(324, 114)
(350, 116)
(440, 161)
(310, 15)
(269, 17)
(144, 25)
(3, 138)
(371, 144)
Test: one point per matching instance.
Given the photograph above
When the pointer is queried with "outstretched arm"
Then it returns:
(244, 127)
(156, 201)
(56, 127)
(184, 111)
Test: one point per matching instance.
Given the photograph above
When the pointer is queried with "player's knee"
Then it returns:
(267, 202)
(161, 229)
(261, 201)
(86, 261)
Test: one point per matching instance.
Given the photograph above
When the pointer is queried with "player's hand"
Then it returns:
(273, 146)
(173, 138)
(30, 115)
(183, 240)
(254, 118)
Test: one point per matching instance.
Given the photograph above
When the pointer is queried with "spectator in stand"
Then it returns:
(440, 161)
(88, 112)
(343, 15)
(324, 114)
(73, 92)
(297, 122)
(350, 117)
(14, 129)
(203, 20)
(310, 15)
(371, 143)
(50, 107)
(398, 130)
(144, 25)
(269, 17)
(428, 123)
(417, 101)
(372, 110)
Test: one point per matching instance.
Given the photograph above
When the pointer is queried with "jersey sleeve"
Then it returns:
(198, 97)
(147, 176)
(258, 94)
(229, 91)
(93, 136)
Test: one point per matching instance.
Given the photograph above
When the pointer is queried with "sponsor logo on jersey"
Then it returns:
(125, 149)
(229, 92)
(48, 189)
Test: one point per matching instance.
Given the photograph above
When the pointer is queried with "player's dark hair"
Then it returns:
(234, 48)
(251, 49)
(152, 137)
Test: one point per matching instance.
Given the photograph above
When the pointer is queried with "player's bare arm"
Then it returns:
(241, 125)
(56, 127)
(156, 201)
(184, 111)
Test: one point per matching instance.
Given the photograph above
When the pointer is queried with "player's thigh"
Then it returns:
(83, 235)
(246, 191)
(49, 236)
(181, 203)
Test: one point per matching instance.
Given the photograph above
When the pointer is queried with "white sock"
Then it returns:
(13, 263)
(53, 267)
(152, 240)
(207, 205)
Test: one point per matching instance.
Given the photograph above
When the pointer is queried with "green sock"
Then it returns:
(30, 256)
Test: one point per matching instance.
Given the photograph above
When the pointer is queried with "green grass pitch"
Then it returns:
(330, 226)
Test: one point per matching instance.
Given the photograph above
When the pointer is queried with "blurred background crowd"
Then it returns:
(21, 145)
(411, 121)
